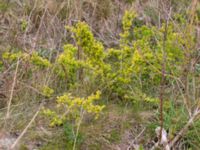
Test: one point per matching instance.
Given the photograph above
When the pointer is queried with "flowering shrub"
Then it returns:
(83, 61)
(70, 107)
(137, 59)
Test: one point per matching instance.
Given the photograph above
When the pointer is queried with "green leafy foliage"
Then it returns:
(1, 65)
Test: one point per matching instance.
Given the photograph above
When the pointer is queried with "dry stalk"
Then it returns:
(78, 127)
(38, 31)
(12, 91)
(29, 23)
(162, 83)
(132, 144)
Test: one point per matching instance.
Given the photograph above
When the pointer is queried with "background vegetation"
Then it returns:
(99, 74)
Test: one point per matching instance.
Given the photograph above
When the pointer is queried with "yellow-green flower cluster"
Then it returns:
(39, 61)
(93, 49)
(143, 58)
(156, 101)
(86, 103)
(68, 57)
(127, 19)
(87, 56)
(47, 91)
(74, 106)
(148, 52)
(67, 61)
(127, 22)
(12, 56)
(55, 119)
(24, 25)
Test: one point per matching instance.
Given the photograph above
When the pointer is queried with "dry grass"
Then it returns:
(39, 25)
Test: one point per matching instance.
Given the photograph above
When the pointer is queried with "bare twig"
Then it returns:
(133, 141)
(78, 127)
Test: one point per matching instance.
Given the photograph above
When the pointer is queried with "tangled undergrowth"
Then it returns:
(77, 89)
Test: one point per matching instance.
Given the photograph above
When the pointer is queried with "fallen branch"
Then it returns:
(132, 144)
(185, 128)
(164, 140)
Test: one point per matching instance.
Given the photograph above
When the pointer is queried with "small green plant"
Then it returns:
(47, 91)
(73, 109)
(24, 25)
(1, 65)
(4, 6)
(71, 135)
(114, 136)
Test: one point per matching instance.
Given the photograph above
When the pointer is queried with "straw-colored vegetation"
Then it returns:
(99, 74)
